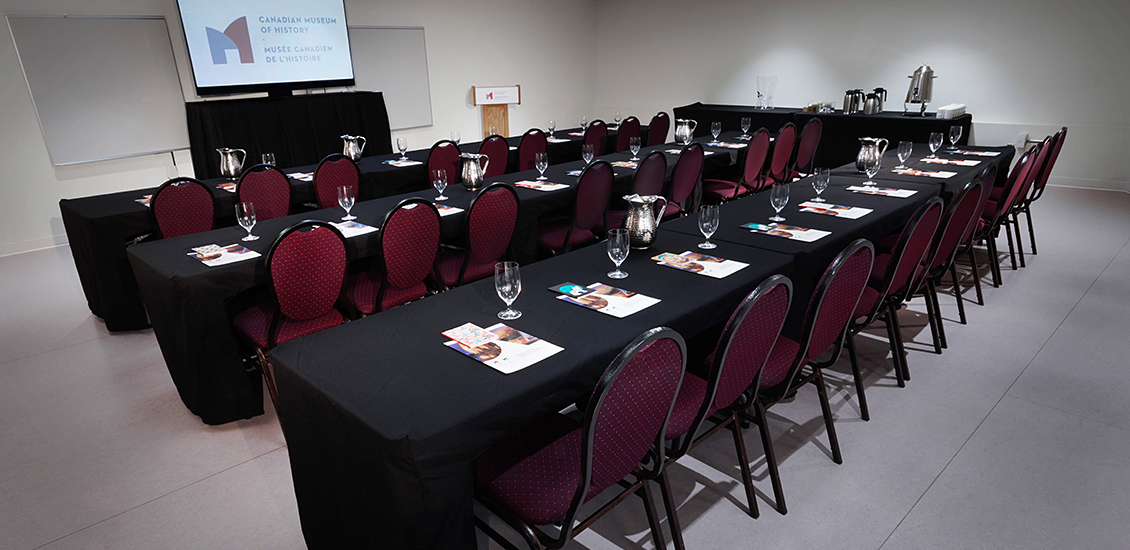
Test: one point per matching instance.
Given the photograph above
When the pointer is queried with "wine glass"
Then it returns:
(745, 126)
(587, 152)
(871, 166)
(455, 136)
(269, 159)
(779, 197)
(820, 180)
(345, 198)
(541, 162)
(618, 251)
(708, 224)
(402, 144)
(508, 284)
(245, 213)
(439, 181)
(936, 140)
(905, 149)
(584, 122)
(955, 134)
(617, 119)
(552, 127)
(715, 129)
(634, 146)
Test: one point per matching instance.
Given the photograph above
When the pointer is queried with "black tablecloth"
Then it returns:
(186, 299)
(383, 421)
(963, 174)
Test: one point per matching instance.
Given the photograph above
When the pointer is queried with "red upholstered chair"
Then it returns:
(597, 136)
(409, 238)
(730, 384)
(491, 219)
(559, 235)
(806, 148)
(750, 178)
(444, 155)
(891, 283)
(543, 473)
(182, 206)
(628, 129)
(995, 213)
(335, 171)
(781, 161)
(1017, 205)
(267, 188)
(657, 130)
(1042, 181)
(829, 311)
(533, 142)
(306, 267)
(498, 151)
(648, 180)
(987, 177)
(687, 173)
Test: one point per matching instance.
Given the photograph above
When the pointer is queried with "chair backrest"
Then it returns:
(267, 188)
(533, 142)
(596, 135)
(1038, 165)
(780, 166)
(910, 251)
(657, 130)
(498, 151)
(955, 222)
(988, 177)
(335, 171)
(830, 309)
(491, 220)
(593, 189)
(688, 170)
(444, 155)
(409, 239)
(182, 206)
(1057, 140)
(628, 129)
(807, 144)
(650, 174)
(753, 165)
(306, 267)
(994, 212)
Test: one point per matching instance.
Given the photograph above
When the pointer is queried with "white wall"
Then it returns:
(460, 38)
(1020, 66)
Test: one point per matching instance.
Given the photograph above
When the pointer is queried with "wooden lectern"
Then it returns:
(494, 101)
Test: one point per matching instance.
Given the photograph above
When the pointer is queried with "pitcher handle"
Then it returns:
(486, 163)
(884, 149)
(362, 147)
(659, 218)
(243, 156)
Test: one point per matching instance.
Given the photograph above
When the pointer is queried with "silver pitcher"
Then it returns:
(869, 148)
(474, 173)
(684, 130)
(641, 223)
(873, 105)
(230, 165)
(353, 146)
(853, 101)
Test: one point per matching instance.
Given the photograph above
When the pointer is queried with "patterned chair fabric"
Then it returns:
(958, 220)
(498, 151)
(593, 189)
(648, 181)
(597, 136)
(183, 206)
(444, 155)
(1038, 188)
(335, 171)
(806, 147)
(409, 238)
(267, 188)
(903, 263)
(533, 142)
(657, 130)
(780, 166)
(491, 219)
(750, 178)
(628, 129)
(688, 170)
(987, 177)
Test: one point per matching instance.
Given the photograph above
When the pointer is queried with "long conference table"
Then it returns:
(100, 227)
(383, 422)
(190, 304)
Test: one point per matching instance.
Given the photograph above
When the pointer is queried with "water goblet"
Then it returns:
(402, 145)
(715, 129)
(552, 127)
(708, 224)
(345, 198)
(779, 197)
(955, 134)
(541, 162)
(508, 284)
(269, 159)
(245, 214)
(587, 152)
(617, 119)
(871, 166)
(455, 136)
(905, 149)
(618, 251)
(584, 122)
(820, 180)
(936, 140)
(634, 146)
(745, 126)
(439, 181)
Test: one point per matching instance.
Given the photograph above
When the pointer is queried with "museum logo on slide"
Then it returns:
(235, 37)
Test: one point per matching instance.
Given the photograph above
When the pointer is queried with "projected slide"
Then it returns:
(248, 42)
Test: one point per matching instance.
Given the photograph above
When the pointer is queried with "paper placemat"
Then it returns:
(352, 229)
(610, 300)
(711, 266)
(953, 162)
(228, 186)
(512, 350)
(792, 232)
(213, 255)
(445, 210)
(402, 163)
(680, 151)
(727, 144)
(882, 191)
(626, 164)
(577, 134)
(540, 186)
(302, 176)
(974, 153)
(940, 174)
(838, 210)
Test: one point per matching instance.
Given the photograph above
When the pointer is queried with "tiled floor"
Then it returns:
(1017, 437)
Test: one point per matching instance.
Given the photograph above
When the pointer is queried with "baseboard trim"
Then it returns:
(11, 249)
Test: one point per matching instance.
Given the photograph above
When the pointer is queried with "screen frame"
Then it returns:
(271, 88)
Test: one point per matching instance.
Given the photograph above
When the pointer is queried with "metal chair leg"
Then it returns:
(1011, 249)
(743, 463)
(1019, 241)
(1031, 230)
(669, 507)
(894, 308)
(770, 458)
(894, 349)
(957, 293)
(931, 314)
(826, 409)
(976, 276)
(994, 262)
(938, 313)
(858, 377)
(652, 516)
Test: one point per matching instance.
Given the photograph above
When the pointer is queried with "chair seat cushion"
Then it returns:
(886, 244)
(672, 209)
(687, 404)
(363, 288)
(533, 472)
(779, 362)
(722, 188)
(879, 268)
(990, 210)
(551, 234)
(449, 262)
(868, 301)
(255, 322)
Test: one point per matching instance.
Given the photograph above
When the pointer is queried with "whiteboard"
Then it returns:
(103, 87)
(394, 61)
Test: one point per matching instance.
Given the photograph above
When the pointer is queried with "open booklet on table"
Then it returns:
(610, 300)
(711, 266)
(499, 346)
